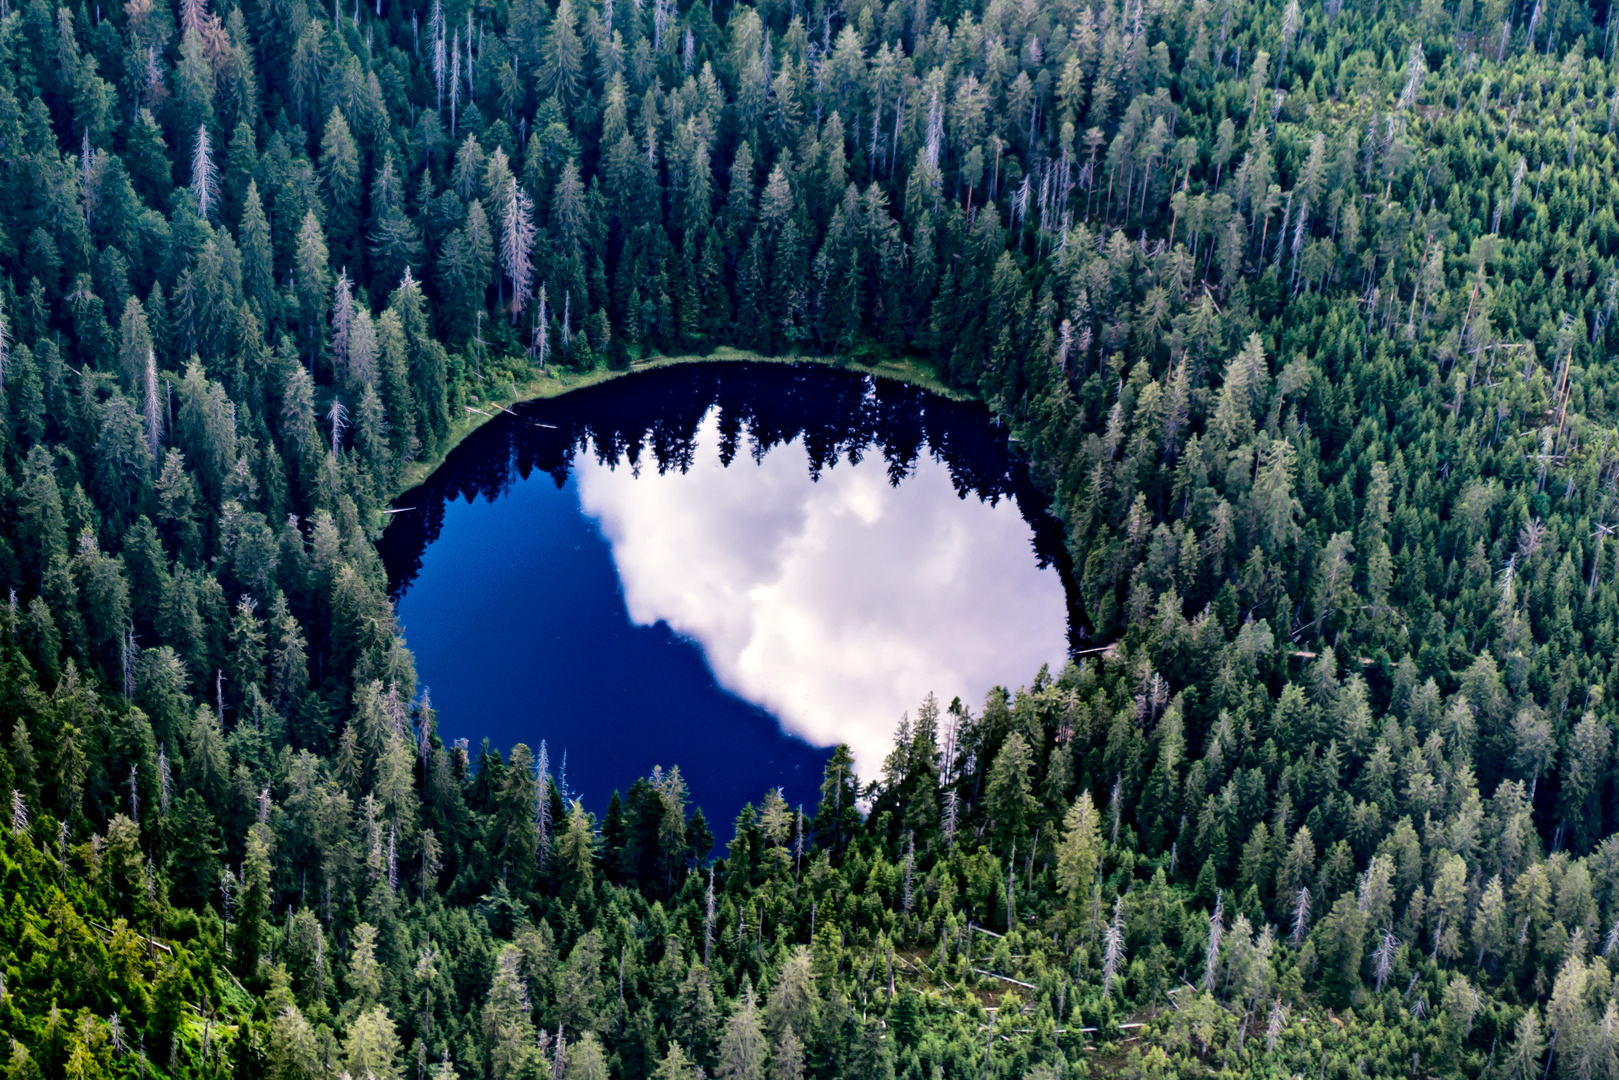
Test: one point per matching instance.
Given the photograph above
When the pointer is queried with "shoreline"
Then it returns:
(553, 383)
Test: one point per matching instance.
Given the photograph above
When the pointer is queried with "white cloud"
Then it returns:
(836, 605)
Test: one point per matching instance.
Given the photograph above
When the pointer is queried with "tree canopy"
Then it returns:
(1329, 784)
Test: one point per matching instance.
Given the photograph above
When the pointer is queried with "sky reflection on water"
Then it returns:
(835, 604)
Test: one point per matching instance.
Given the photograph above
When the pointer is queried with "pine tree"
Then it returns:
(542, 805)
(516, 244)
(396, 243)
(742, 1050)
(1008, 795)
(1527, 1046)
(337, 417)
(561, 57)
(455, 79)
(255, 902)
(151, 409)
(342, 323)
(1588, 748)
(258, 266)
(372, 1046)
(435, 34)
(1080, 850)
(1113, 948)
(134, 345)
(340, 181)
(481, 252)
(313, 281)
(568, 208)
(204, 176)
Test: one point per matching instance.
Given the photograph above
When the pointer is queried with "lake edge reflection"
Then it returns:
(532, 436)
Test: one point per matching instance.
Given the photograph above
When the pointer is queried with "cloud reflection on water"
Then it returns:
(836, 603)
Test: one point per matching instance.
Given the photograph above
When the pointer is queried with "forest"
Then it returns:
(1328, 788)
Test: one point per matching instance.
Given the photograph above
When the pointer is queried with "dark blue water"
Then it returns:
(511, 599)
(612, 699)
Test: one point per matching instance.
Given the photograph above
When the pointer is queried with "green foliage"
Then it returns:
(1302, 316)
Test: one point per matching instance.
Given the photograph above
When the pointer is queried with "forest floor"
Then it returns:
(554, 382)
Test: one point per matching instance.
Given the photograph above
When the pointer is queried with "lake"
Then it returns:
(728, 567)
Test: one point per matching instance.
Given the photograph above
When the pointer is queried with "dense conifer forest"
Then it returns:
(1301, 313)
